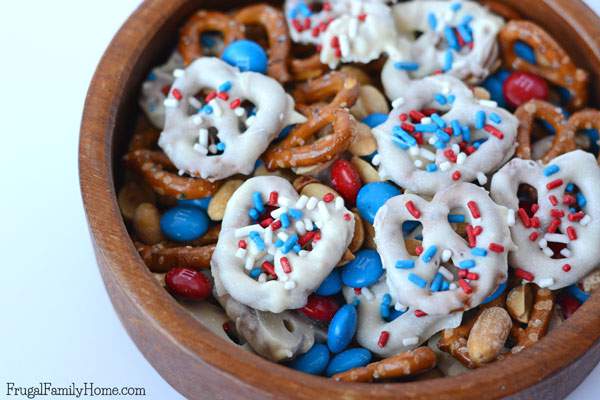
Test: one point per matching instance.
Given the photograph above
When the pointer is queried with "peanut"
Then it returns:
(367, 172)
(364, 142)
(217, 205)
(359, 234)
(519, 302)
(370, 100)
(131, 195)
(146, 224)
(317, 190)
(488, 335)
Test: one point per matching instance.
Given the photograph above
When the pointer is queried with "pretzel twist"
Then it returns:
(307, 68)
(273, 21)
(401, 365)
(161, 257)
(584, 119)
(151, 166)
(553, 63)
(293, 150)
(190, 45)
(564, 139)
(537, 327)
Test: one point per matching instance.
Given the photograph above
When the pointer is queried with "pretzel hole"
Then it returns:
(527, 196)
(257, 33)
(302, 51)
(214, 143)
(211, 42)
(229, 330)
(289, 326)
(197, 101)
(316, 6)
(249, 111)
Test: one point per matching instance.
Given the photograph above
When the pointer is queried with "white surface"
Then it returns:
(57, 322)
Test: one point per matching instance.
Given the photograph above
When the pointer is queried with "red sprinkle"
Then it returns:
(554, 184)
(524, 217)
(571, 233)
(419, 250)
(177, 94)
(328, 197)
(450, 155)
(474, 209)
(419, 313)
(362, 17)
(269, 268)
(496, 248)
(471, 236)
(335, 42)
(569, 199)
(416, 115)
(242, 244)
(566, 267)
(266, 222)
(555, 213)
(383, 338)
(477, 230)
(307, 237)
(535, 222)
(285, 265)
(554, 225)
(576, 216)
(315, 31)
(456, 175)
(412, 209)
(407, 127)
(553, 200)
(521, 273)
(534, 235)
(307, 23)
(235, 104)
(276, 225)
(472, 276)
(465, 286)
(297, 25)
(223, 96)
(337, 52)
(357, 291)
(494, 131)
(462, 273)
(273, 198)
(326, 6)
(403, 117)
(347, 217)
(210, 96)
(534, 208)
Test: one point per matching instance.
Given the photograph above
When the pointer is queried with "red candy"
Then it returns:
(188, 283)
(345, 180)
(568, 304)
(320, 308)
(520, 87)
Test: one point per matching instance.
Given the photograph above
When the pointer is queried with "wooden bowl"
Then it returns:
(201, 365)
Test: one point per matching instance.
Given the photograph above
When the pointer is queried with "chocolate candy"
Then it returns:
(345, 180)
(184, 223)
(246, 55)
(342, 328)
(520, 87)
(314, 361)
(351, 358)
(188, 283)
(320, 308)
(372, 120)
(372, 196)
(364, 270)
(331, 285)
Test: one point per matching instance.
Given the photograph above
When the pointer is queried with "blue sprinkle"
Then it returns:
(451, 98)
(466, 133)
(297, 248)
(426, 127)
(438, 120)
(441, 99)
(479, 119)
(429, 253)
(304, 10)
(436, 284)
(439, 144)
(551, 170)
(253, 214)
(295, 213)
(456, 218)
(432, 21)
(406, 65)
(570, 187)
(478, 251)
(289, 244)
(455, 6)
(443, 136)
(405, 136)
(431, 167)
(258, 202)
(151, 76)
(466, 264)
(278, 243)
(221, 146)
(400, 143)
(465, 33)
(255, 273)
(495, 118)
(466, 19)
(207, 109)
(224, 87)
(448, 60)
(396, 314)
(255, 237)
(581, 200)
(405, 264)
(451, 38)
(285, 220)
(384, 307)
(445, 285)
(455, 127)
(417, 280)
(478, 143)
(573, 210)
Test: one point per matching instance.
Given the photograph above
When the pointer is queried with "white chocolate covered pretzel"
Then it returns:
(276, 247)
(438, 133)
(557, 238)
(450, 273)
(383, 332)
(215, 137)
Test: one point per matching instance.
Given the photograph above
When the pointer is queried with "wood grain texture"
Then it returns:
(201, 365)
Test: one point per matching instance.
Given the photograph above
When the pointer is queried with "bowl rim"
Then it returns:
(122, 266)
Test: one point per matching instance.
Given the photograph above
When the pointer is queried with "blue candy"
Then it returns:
(351, 358)
(314, 361)
(496, 294)
(331, 285)
(372, 196)
(524, 51)
(364, 270)
(493, 84)
(342, 328)
(579, 294)
(373, 120)
(246, 55)
(184, 223)
(200, 203)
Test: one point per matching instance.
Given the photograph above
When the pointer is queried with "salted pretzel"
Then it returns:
(274, 23)
(564, 138)
(153, 165)
(537, 327)
(190, 45)
(162, 257)
(293, 150)
(307, 68)
(585, 119)
(401, 365)
(553, 63)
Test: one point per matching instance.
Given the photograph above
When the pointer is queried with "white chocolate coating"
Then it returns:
(406, 331)
(407, 167)
(577, 167)
(185, 137)
(158, 82)
(308, 268)
(430, 49)
(437, 232)
(277, 337)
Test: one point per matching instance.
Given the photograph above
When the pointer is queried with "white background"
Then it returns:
(57, 323)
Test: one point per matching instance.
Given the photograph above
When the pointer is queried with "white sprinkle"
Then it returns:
(239, 111)
(283, 236)
(170, 102)
(300, 227)
(418, 163)
(323, 211)
(278, 211)
(203, 137)
(565, 252)
(194, 102)
(197, 120)
(542, 243)
(262, 278)
(178, 72)
(585, 220)
(308, 225)
(461, 157)
(200, 149)
(250, 120)
(488, 103)
(410, 341)
(367, 293)
(344, 45)
(181, 172)
(446, 274)
(446, 255)
(312, 203)
(453, 286)
(427, 154)
(376, 160)
(445, 166)
(339, 203)
(212, 148)
(414, 151)
(272, 250)
(217, 110)
(249, 263)
(545, 282)
(303, 253)
(301, 202)
(426, 120)
(319, 224)
(481, 178)
(548, 251)
(510, 217)
(289, 285)
(432, 140)
(353, 28)
(268, 236)
(556, 237)
(400, 307)
(398, 102)
(284, 201)
(245, 231)
(240, 253)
